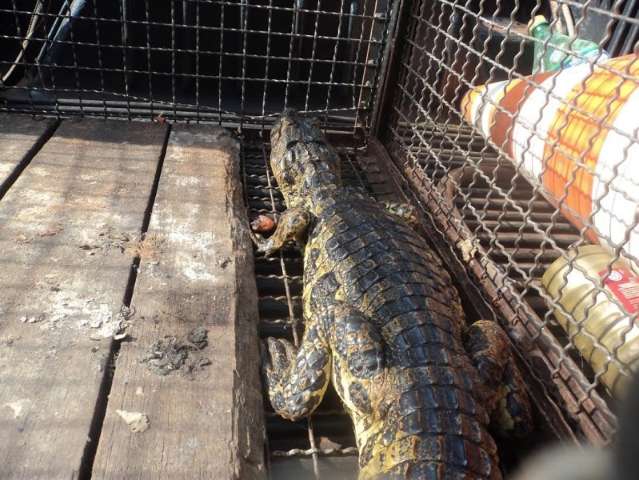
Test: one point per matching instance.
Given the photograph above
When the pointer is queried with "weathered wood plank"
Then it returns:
(20, 136)
(196, 271)
(66, 230)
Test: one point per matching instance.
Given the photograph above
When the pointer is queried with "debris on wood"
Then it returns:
(468, 249)
(224, 262)
(52, 231)
(171, 354)
(33, 319)
(104, 323)
(138, 422)
(198, 337)
(166, 355)
(18, 407)
(22, 239)
(126, 312)
(149, 248)
(108, 239)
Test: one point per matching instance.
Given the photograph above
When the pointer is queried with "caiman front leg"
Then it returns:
(296, 379)
(292, 225)
(503, 388)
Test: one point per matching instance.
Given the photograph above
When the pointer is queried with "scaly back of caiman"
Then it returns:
(384, 322)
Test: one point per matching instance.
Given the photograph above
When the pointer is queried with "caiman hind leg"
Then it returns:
(358, 363)
(358, 359)
(359, 376)
(503, 389)
(296, 379)
(292, 225)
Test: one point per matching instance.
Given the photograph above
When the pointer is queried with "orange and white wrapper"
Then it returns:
(576, 132)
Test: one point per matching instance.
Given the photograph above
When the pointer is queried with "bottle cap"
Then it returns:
(535, 22)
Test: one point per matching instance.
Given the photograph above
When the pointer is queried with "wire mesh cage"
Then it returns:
(198, 60)
(519, 144)
(517, 141)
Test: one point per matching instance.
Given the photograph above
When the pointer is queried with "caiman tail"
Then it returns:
(433, 430)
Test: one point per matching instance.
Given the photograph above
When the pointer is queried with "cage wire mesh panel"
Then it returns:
(202, 60)
(518, 136)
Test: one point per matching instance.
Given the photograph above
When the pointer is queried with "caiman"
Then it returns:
(384, 322)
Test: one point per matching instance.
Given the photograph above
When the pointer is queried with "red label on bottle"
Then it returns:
(624, 285)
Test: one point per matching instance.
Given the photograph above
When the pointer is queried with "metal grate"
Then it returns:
(203, 60)
(517, 174)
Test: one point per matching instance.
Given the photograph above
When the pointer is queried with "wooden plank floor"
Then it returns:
(72, 232)
(21, 137)
(188, 282)
(63, 224)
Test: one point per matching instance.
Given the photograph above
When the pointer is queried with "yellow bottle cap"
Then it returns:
(538, 20)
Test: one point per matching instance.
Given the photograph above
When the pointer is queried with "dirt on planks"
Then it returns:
(185, 356)
(138, 422)
(149, 248)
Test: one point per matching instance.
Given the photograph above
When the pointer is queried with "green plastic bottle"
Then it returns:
(549, 58)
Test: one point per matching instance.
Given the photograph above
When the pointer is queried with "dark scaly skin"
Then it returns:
(384, 323)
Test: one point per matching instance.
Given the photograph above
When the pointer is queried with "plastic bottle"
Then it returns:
(550, 50)
(573, 283)
(584, 159)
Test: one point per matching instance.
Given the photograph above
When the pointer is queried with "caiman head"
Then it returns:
(303, 162)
